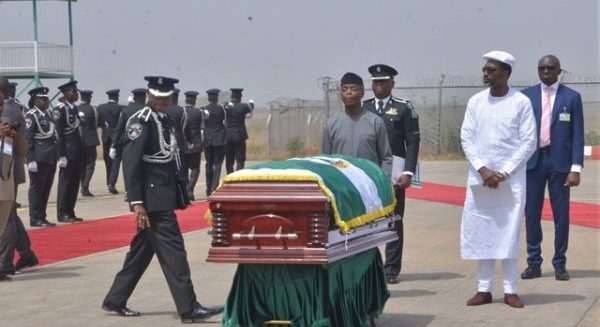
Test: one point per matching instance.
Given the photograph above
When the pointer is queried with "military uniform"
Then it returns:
(214, 144)
(178, 120)
(42, 148)
(89, 133)
(108, 114)
(70, 146)
(402, 126)
(150, 169)
(120, 137)
(193, 130)
(236, 134)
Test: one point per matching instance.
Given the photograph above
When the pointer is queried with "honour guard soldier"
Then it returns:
(42, 153)
(193, 130)
(139, 102)
(89, 132)
(402, 125)
(178, 117)
(214, 139)
(150, 168)
(70, 153)
(108, 114)
(236, 132)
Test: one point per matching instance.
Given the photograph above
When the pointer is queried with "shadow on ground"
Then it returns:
(541, 298)
(430, 276)
(403, 320)
(411, 293)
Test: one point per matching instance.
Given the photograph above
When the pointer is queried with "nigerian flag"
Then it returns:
(358, 189)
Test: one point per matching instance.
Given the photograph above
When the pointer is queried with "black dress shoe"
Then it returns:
(65, 219)
(561, 273)
(86, 193)
(532, 271)
(8, 270)
(112, 190)
(200, 314)
(75, 218)
(41, 223)
(393, 279)
(121, 311)
(18, 205)
(4, 278)
(26, 262)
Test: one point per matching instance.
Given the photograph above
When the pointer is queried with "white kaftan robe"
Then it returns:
(500, 134)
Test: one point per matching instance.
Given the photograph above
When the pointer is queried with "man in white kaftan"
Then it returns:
(498, 136)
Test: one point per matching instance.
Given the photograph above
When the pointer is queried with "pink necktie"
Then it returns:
(546, 117)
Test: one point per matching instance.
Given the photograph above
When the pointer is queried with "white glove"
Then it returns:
(32, 167)
(190, 146)
(62, 162)
(112, 153)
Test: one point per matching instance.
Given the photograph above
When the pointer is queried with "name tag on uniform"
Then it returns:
(564, 116)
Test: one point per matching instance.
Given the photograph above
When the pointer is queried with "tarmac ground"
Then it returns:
(435, 284)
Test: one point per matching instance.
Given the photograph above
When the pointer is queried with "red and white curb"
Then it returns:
(592, 151)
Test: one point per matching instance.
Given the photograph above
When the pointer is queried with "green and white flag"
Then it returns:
(358, 189)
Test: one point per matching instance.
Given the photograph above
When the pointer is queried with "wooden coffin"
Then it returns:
(284, 223)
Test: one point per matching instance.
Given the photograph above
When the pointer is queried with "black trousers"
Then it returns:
(89, 163)
(163, 238)
(13, 238)
(235, 152)
(112, 165)
(393, 250)
(214, 161)
(68, 186)
(40, 184)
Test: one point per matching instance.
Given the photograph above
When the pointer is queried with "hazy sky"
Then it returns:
(280, 48)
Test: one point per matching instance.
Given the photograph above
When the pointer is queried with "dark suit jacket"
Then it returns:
(214, 128)
(108, 116)
(236, 121)
(566, 137)
(194, 129)
(402, 126)
(152, 183)
(89, 125)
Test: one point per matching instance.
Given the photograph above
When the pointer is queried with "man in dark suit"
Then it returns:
(214, 139)
(108, 114)
(150, 169)
(402, 125)
(193, 130)
(558, 162)
(237, 112)
(70, 153)
(89, 133)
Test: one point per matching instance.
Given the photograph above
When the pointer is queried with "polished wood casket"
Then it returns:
(285, 222)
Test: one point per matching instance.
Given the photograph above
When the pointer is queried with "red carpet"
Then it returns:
(75, 240)
(582, 213)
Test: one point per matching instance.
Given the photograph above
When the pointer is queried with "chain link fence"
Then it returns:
(295, 126)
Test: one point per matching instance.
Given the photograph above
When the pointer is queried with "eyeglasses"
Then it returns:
(488, 69)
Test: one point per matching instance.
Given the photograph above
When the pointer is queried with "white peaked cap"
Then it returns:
(501, 56)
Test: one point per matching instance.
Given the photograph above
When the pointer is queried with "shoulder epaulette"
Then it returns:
(397, 99)
(30, 111)
(143, 114)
